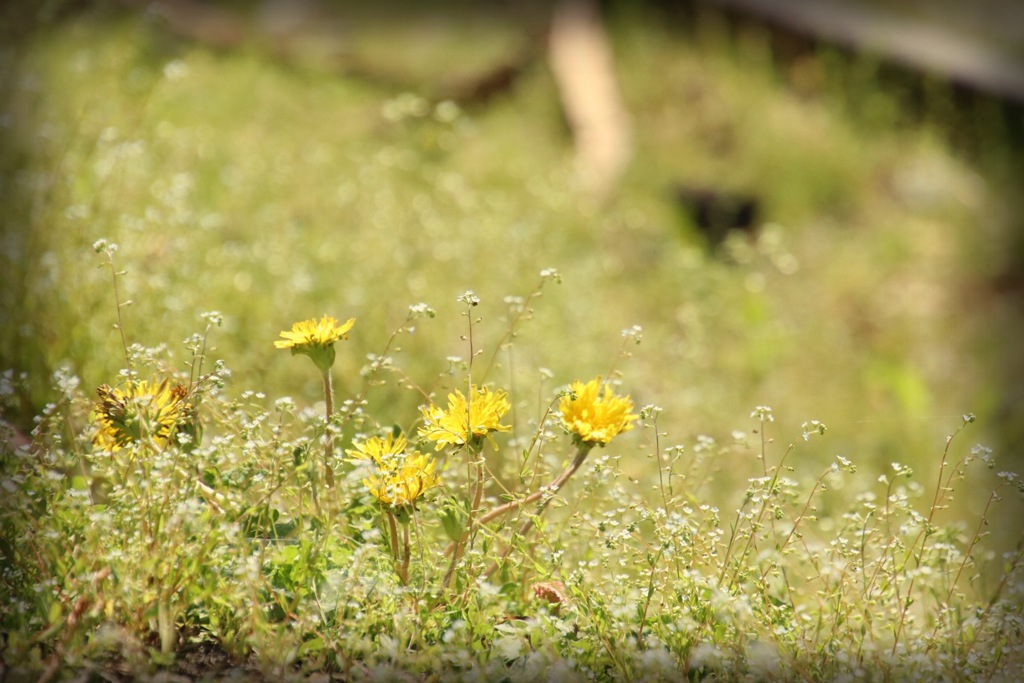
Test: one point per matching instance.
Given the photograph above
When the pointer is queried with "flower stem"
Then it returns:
(404, 573)
(165, 626)
(329, 434)
(478, 494)
(401, 567)
(120, 322)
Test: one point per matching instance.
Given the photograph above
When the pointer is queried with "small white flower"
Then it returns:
(175, 70)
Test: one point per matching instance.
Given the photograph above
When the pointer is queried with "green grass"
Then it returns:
(275, 192)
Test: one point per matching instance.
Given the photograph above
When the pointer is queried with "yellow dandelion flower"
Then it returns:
(594, 416)
(384, 453)
(461, 423)
(401, 477)
(315, 338)
(141, 410)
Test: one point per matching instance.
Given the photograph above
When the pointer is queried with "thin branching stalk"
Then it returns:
(536, 443)
(739, 513)
(535, 446)
(665, 493)
(546, 494)
(474, 447)
(800, 517)
(520, 533)
(510, 332)
(994, 496)
(478, 493)
(650, 594)
(621, 354)
(732, 540)
(477, 474)
(763, 456)
(982, 522)
(551, 489)
(941, 490)
(114, 274)
(769, 493)
(195, 370)
(863, 552)
(997, 594)
(375, 368)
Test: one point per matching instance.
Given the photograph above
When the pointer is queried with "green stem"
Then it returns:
(165, 625)
(404, 574)
(120, 321)
(328, 435)
(400, 567)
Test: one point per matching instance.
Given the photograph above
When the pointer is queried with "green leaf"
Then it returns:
(311, 646)
(54, 615)
(453, 519)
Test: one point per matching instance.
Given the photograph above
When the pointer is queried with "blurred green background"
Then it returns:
(336, 159)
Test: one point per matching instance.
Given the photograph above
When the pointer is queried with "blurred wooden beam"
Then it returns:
(923, 44)
(583, 67)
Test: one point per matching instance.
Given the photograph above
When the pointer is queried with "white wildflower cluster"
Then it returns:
(213, 318)
(420, 310)
(66, 381)
(812, 427)
(1012, 479)
(375, 363)
(983, 453)
(705, 445)
(516, 304)
(650, 413)
(551, 274)
(636, 333)
(285, 404)
(841, 464)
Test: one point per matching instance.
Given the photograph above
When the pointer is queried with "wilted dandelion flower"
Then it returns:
(595, 416)
(315, 338)
(461, 423)
(139, 411)
(401, 477)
